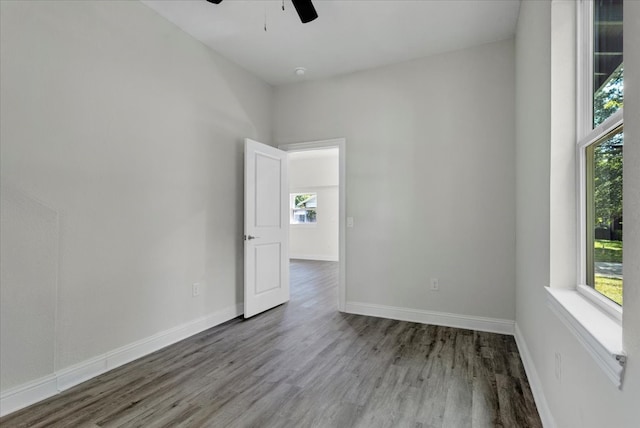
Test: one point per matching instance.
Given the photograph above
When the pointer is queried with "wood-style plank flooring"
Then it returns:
(304, 364)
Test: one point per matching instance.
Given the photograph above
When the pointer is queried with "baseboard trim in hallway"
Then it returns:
(491, 325)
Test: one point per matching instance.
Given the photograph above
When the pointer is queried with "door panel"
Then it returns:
(267, 184)
(267, 257)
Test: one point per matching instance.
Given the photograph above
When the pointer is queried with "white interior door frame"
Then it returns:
(340, 143)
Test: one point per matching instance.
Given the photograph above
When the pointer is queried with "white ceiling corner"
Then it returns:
(349, 35)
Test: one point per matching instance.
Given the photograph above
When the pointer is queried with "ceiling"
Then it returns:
(349, 35)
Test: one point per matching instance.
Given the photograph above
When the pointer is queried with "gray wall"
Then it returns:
(430, 176)
(583, 397)
(121, 180)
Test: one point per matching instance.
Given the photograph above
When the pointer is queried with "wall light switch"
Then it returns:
(349, 221)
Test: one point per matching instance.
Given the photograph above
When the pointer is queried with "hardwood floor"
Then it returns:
(304, 364)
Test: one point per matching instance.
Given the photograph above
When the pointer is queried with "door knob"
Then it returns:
(250, 237)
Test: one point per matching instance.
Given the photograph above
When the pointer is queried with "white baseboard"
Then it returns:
(323, 257)
(26, 394)
(534, 381)
(492, 325)
(29, 393)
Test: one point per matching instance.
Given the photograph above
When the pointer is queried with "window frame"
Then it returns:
(586, 135)
(292, 197)
(589, 316)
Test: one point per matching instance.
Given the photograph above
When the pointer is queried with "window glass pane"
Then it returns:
(604, 216)
(607, 59)
(303, 208)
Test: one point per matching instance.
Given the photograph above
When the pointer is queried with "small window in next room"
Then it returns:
(303, 208)
(600, 146)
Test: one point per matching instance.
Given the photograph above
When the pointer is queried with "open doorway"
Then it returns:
(313, 205)
(317, 204)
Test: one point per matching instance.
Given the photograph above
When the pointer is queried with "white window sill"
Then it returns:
(599, 333)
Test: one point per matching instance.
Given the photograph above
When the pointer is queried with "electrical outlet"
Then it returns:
(558, 366)
(195, 290)
(435, 284)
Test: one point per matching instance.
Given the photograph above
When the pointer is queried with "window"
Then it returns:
(600, 146)
(303, 208)
(593, 310)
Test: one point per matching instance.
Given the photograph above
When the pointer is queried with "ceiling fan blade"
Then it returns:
(305, 9)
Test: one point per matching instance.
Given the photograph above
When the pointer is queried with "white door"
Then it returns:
(266, 228)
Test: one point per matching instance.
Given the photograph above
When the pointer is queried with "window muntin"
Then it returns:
(303, 208)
